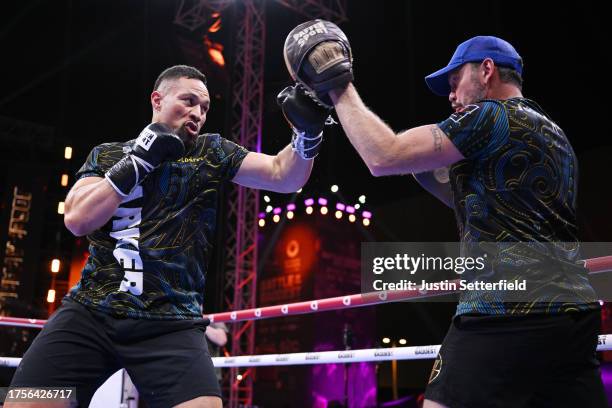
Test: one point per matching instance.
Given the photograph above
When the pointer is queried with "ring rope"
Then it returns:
(326, 357)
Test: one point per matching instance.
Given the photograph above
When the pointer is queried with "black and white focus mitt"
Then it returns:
(318, 55)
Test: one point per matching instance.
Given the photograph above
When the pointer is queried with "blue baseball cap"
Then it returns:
(475, 50)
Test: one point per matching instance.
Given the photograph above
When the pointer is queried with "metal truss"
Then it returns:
(241, 245)
(193, 14)
(333, 10)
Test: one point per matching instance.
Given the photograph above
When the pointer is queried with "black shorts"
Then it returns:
(519, 361)
(168, 361)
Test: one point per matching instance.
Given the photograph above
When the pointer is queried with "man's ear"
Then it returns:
(156, 98)
(487, 66)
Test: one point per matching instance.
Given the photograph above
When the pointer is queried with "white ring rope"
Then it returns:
(326, 357)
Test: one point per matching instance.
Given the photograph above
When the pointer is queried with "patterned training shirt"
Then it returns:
(149, 260)
(516, 190)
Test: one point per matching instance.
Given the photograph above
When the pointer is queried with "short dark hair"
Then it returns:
(510, 75)
(179, 71)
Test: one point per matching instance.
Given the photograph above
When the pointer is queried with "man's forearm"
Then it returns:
(292, 171)
(90, 206)
(372, 138)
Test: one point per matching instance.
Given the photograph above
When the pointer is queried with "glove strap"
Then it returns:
(306, 147)
(127, 174)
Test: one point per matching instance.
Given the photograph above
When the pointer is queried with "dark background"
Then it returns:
(83, 70)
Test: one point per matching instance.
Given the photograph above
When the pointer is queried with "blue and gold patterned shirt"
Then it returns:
(517, 189)
(149, 260)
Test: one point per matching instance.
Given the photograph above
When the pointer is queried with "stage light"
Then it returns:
(239, 377)
(323, 210)
(366, 222)
(276, 218)
(217, 24)
(290, 215)
(308, 202)
(215, 51)
(362, 199)
(340, 206)
(366, 214)
(51, 296)
(299, 191)
(402, 342)
(262, 222)
(60, 207)
(350, 210)
(277, 210)
(269, 209)
(68, 153)
(334, 188)
(291, 207)
(386, 340)
(309, 210)
(338, 214)
(357, 206)
(352, 217)
(55, 265)
(322, 201)
(64, 180)
(266, 199)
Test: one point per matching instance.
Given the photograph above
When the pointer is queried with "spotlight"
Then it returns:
(262, 222)
(309, 210)
(362, 199)
(338, 214)
(68, 153)
(334, 188)
(290, 214)
(55, 265)
(323, 210)
(386, 340)
(266, 199)
(402, 342)
(276, 218)
(269, 208)
(352, 217)
(366, 222)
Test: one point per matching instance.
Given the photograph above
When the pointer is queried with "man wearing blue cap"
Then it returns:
(512, 179)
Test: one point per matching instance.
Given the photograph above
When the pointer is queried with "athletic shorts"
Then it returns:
(519, 361)
(168, 361)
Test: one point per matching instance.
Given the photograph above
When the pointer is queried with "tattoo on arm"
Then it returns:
(437, 138)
